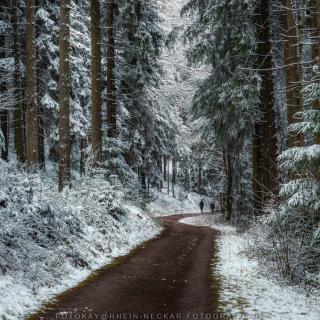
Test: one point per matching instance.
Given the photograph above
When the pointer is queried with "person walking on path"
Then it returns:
(201, 205)
(212, 207)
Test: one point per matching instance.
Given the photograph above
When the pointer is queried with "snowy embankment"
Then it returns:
(50, 241)
(245, 292)
(164, 204)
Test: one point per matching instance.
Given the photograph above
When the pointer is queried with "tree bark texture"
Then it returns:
(264, 146)
(111, 88)
(64, 95)
(229, 186)
(96, 109)
(32, 125)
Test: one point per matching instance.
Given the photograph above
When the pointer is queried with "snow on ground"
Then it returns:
(164, 204)
(20, 296)
(245, 292)
(51, 241)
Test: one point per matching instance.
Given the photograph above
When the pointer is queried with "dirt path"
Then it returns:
(168, 276)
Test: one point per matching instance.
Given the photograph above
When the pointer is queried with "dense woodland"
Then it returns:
(84, 89)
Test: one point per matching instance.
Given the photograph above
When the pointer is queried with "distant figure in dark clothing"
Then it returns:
(201, 205)
(212, 207)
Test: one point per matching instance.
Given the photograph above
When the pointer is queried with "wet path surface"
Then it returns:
(169, 276)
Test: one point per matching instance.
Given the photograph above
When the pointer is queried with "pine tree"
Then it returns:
(223, 37)
(140, 71)
(64, 95)
(48, 77)
(80, 82)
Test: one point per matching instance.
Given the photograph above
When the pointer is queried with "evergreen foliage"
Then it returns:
(223, 37)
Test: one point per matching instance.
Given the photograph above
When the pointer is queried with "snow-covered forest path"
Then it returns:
(170, 274)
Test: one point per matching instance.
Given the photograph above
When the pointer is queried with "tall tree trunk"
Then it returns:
(264, 143)
(269, 127)
(315, 25)
(18, 106)
(229, 186)
(4, 129)
(257, 163)
(315, 34)
(42, 160)
(41, 146)
(32, 125)
(111, 88)
(168, 162)
(200, 179)
(187, 180)
(161, 171)
(173, 190)
(165, 168)
(64, 95)
(174, 175)
(3, 112)
(96, 109)
(174, 171)
(143, 179)
(292, 69)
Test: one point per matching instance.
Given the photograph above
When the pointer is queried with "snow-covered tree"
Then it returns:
(222, 36)
(138, 41)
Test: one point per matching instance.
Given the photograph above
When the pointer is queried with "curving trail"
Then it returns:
(168, 277)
